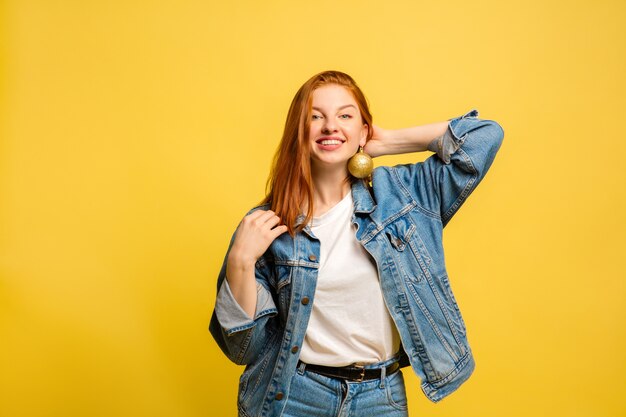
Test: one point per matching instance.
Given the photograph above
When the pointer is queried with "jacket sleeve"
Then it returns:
(240, 337)
(463, 155)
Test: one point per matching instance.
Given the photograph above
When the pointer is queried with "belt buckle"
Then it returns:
(362, 375)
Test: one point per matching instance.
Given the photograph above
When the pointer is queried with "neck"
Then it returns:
(330, 187)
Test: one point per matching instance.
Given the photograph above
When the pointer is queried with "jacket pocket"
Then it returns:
(409, 251)
(255, 371)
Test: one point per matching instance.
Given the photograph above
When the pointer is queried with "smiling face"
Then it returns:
(337, 128)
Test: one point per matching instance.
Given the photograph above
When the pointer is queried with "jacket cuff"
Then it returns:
(448, 143)
(232, 317)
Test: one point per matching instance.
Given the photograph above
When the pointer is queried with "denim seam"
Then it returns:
(467, 189)
(286, 262)
(265, 355)
(403, 187)
(444, 310)
(247, 326)
(393, 403)
(244, 347)
(432, 323)
(285, 281)
(421, 253)
(435, 385)
(405, 190)
(379, 228)
(252, 324)
(428, 212)
(242, 411)
(418, 345)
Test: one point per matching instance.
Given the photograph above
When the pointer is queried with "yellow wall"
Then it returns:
(135, 135)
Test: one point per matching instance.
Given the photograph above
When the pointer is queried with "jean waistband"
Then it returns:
(352, 372)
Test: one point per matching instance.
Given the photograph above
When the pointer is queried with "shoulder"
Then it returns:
(398, 175)
(258, 207)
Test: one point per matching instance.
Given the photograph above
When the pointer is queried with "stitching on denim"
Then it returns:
(388, 391)
(389, 220)
(432, 323)
(244, 347)
(399, 182)
(419, 349)
(266, 312)
(436, 384)
(421, 249)
(427, 212)
(298, 262)
(285, 281)
(404, 187)
(446, 282)
(446, 314)
(240, 328)
(242, 411)
(466, 190)
(265, 356)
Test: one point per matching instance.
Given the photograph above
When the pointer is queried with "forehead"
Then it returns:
(332, 96)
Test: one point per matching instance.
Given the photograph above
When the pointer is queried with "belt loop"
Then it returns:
(383, 374)
(301, 367)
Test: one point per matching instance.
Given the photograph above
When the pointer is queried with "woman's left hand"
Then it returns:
(376, 145)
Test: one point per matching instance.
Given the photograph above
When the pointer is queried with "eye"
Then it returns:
(346, 116)
(315, 117)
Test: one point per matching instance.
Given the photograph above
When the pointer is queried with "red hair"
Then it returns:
(290, 183)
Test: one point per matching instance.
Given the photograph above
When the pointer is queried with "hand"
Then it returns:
(376, 145)
(254, 235)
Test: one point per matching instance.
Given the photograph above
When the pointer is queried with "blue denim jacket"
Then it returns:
(399, 221)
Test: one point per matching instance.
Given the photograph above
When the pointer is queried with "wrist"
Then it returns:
(240, 261)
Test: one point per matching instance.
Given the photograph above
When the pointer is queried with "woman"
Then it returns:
(334, 283)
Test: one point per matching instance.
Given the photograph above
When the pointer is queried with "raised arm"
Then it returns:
(397, 141)
(465, 148)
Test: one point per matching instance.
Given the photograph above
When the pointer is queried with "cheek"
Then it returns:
(357, 131)
(314, 129)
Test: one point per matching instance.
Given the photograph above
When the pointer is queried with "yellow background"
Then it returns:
(136, 134)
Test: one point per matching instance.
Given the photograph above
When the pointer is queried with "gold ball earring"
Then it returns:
(361, 164)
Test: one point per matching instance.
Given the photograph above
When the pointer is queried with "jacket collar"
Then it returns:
(363, 201)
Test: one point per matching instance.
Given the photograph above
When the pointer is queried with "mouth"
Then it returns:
(330, 141)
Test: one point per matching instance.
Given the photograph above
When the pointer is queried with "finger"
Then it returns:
(279, 230)
(267, 216)
(271, 222)
(257, 218)
(258, 213)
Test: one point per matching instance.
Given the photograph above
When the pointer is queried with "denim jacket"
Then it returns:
(399, 221)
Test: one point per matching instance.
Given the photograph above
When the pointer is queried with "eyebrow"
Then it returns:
(340, 108)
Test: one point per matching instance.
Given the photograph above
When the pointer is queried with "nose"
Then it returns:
(329, 126)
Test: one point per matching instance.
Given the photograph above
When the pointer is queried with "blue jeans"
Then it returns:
(315, 395)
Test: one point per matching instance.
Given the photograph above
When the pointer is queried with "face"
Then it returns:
(337, 128)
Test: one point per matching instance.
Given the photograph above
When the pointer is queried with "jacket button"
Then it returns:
(312, 258)
(279, 396)
(305, 300)
(294, 349)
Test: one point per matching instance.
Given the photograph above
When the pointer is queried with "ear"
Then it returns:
(364, 132)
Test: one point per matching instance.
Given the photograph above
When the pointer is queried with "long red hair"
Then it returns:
(290, 183)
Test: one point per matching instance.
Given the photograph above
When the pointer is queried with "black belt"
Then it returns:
(351, 373)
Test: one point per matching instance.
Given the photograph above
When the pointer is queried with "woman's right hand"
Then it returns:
(254, 235)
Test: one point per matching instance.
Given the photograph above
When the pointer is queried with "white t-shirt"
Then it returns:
(349, 321)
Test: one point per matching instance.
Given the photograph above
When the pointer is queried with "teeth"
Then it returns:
(331, 142)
